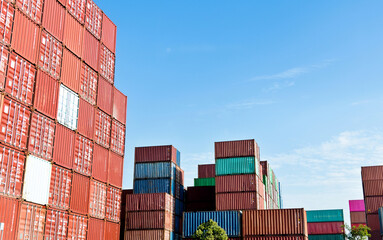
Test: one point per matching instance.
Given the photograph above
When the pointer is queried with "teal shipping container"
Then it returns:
(201, 182)
(327, 237)
(333, 215)
(236, 166)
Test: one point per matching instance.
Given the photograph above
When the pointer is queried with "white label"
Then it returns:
(3, 129)
(44, 40)
(1, 226)
(6, 109)
(13, 64)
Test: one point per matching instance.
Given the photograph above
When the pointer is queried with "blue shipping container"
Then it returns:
(163, 185)
(179, 208)
(381, 220)
(155, 170)
(230, 221)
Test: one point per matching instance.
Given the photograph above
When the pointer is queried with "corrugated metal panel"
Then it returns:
(59, 193)
(9, 213)
(334, 215)
(155, 154)
(325, 228)
(67, 112)
(154, 186)
(37, 180)
(120, 102)
(80, 194)
(241, 148)
(295, 237)
(46, 94)
(373, 204)
(179, 207)
(113, 204)
(88, 84)
(32, 8)
(230, 221)
(117, 141)
(180, 175)
(54, 18)
(198, 182)
(105, 96)
(102, 128)
(206, 171)
(64, 146)
(109, 32)
(56, 225)
(73, 34)
(93, 19)
(154, 170)
(14, 123)
(236, 201)
(86, 118)
(235, 166)
(373, 222)
(327, 237)
(149, 220)
(358, 217)
(77, 9)
(21, 76)
(107, 61)
(100, 163)
(200, 194)
(372, 173)
(71, 69)
(50, 57)
(6, 21)
(149, 202)
(97, 199)
(116, 165)
(373, 188)
(91, 50)
(179, 191)
(41, 136)
(11, 171)
(381, 220)
(148, 235)
(112, 231)
(83, 155)
(77, 227)
(31, 222)
(96, 229)
(4, 56)
(356, 205)
(236, 183)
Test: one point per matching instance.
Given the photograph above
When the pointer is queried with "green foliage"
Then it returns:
(210, 231)
(357, 233)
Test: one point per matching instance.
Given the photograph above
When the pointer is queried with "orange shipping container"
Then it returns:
(73, 34)
(112, 231)
(59, 192)
(102, 128)
(96, 229)
(117, 142)
(83, 155)
(71, 69)
(86, 119)
(46, 94)
(97, 199)
(11, 171)
(6, 21)
(77, 9)
(79, 194)
(100, 163)
(31, 222)
(56, 225)
(41, 136)
(105, 96)
(77, 227)
(4, 56)
(63, 154)
(93, 18)
(120, 102)
(113, 204)
(51, 52)
(109, 31)
(32, 8)
(149, 220)
(88, 84)
(236, 201)
(107, 61)
(91, 50)
(115, 168)
(9, 212)
(54, 18)
(147, 235)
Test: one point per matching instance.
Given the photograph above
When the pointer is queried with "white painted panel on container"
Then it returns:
(67, 113)
(37, 180)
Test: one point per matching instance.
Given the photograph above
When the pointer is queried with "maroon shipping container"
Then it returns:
(117, 141)
(325, 228)
(179, 175)
(80, 194)
(358, 217)
(97, 199)
(147, 235)
(373, 204)
(372, 173)
(63, 154)
(149, 202)
(373, 221)
(149, 220)
(373, 188)
(236, 183)
(4, 56)
(91, 50)
(242, 148)
(96, 229)
(236, 201)
(93, 18)
(86, 119)
(100, 163)
(21, 77)
(50, 57)
(54, 18)
(105, 96)
(264, 169)
(26, 36)
(375, 235)
(156, 154)
(83, 155)
(71, 70)
(112, 231)
(88, 84)
(120, 102)
(60, 189)
(46, 94)
(113, 204)
(107, 61)
(294, 237)
(11, 171)
(31, 221)
(109, 32)
(9, 212)
(77, 226)
(206, 171)
(14, 123)
(77, 9)
(115, 169)
(200, 206)
(56, 224)
(73, 34)
(32, 8)
(274, 222)
(6, 21)
(200, 194)
(41, 136)
(102, 128)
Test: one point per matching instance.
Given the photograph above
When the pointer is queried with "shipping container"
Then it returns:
(372, 173)
(4, 56)
(148, 235)
(112, 231)
(327, 237)
(294, 237)
(358, 217)
(165, 185)
(373, 204)
(380, 213)
(71, 70)
(156, 154)
(109, 32)
(198, 182)
(91, 50)
(149, 202)
(236, 201)
(93, 18)
(357, 224)
(9, 213)
(200, 206)
(115, 169)
(105, 96)
(14, 123)
(50, 56)
(37, 180)
(117, 141)
(67, 113)
(106, 66)
(83, 155)
(242, 148)
(97, 199)
(6, 22)
(88, 84)
(56, 225)
(356, 205)
(46, 94)
(11, 171)
(54, 18)
(86, 115)
(180, 175)
(96, 229)
(149, 220)
(236, 166)
(206, 171)
(100, 163)
(102, 128)
(200, 194)
(230, 221)
(31, 222)
(154, 170)
(32, 8)
(373, 188)
(373, 222)
(80, 194)
(334, 215)
(120, 102)
(73, 33)
(179, 191)
(41, 136)
(63, 153)
(113, 204)
(325, 227)
(60, 188)
(77, 9)
(236, 183)
(77, 227)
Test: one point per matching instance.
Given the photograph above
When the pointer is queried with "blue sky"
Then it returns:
(304, 78)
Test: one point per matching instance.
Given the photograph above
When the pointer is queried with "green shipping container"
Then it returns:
(335, 215)
(327, 237)
(201, 182)
(235, 166)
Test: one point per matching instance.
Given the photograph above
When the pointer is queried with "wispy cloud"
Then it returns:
(248, 104)
(361, 102)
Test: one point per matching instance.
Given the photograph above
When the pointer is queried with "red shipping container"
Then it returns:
(112, 231)
(9, 212)
(109, 32)
(77, 9)
(113, 204)
(102, 128)
(59, 192)
(91, 50)
(4, 56)
(358, 217)
(206, 171)
(88, 84)
(77, 227)
(325, 228)
(236, 183)
(149, 220)
(41, 136)
(294, 237)
(147, 235)
(117, 142)
(11, 171)
(93, 18)
(373, 221)
(31, 222)
(373, 204)
(51, 52)
(357, 224)
(115, 168)
(100, 163)
(63, 154)
(46, 94)
(104, 96)
(372, 173)
(54, 18)
(56, 225)
(83, 155)
(14, 123)
(97, 199)
(32, 8)
(107, 61)
(149, 202)
(156, 154)
(120, 102)
(86, 119)
(96, 229)
(73, 34)
(26, 37)
(373, 188)
(261, 203)
(21, 77)
(242, 148)
(79, 194)
(6, 21)
(236, 201)
(71, 69)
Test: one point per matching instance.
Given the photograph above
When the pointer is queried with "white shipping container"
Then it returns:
(37, 180)
(67, 113)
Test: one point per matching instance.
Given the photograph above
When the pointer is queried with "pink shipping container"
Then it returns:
(73, 34)
(356, 205)
(54, 18)
(147, 235)
(77, 227)
(77, 9)
(325, 228)
(107, 61)
(4, 56)
(115, 168)
(236, 183)
(21, 77)
(206, 171)
(91, 50)
(83, 155)
(6, 21)
(63, 154)
(88, 84)
(25, 31)
(32, 8)
(86, 117)
(113, 204)
(14, 123)
(373, 188)
(9, 212)
(100, 163)
(149, 220)
(105, 96)
(155, 154)
(51, 52)
(80, 194)
(96, 229)
(71, 69)
(41, 136)
(59, 192)
(236, 201)
(97, 199)
(56, 225)
(242, 148)
(93, 18)
(372, 173)
(11, 171)
(120, 102)
(373, 204)
(109, 32)
(31, 222)
(117, 142)
(149, 202)
(112, 231)
(102, 128)
(46, 94)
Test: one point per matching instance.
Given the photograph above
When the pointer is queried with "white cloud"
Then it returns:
(248, 104)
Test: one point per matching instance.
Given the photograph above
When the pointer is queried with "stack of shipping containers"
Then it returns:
(273, 198)
(62, 122)
(154, 210)
(357, 213)
(206, 175)
(325, 224)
